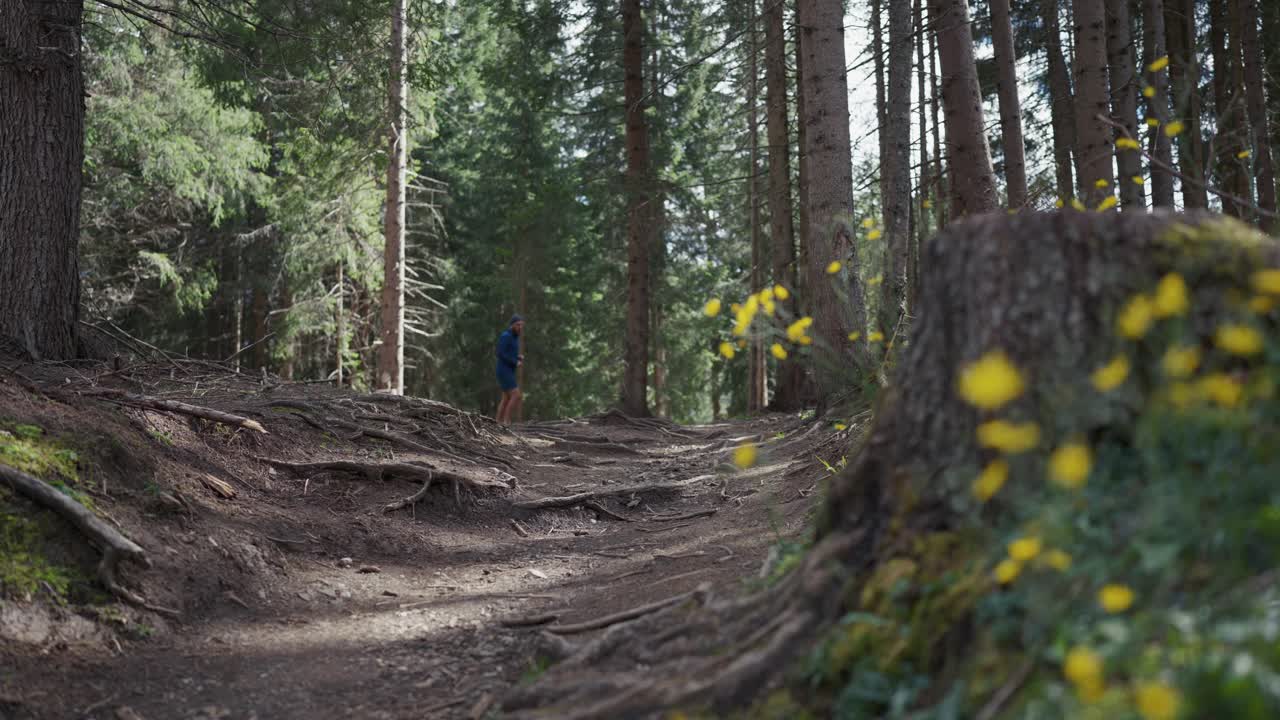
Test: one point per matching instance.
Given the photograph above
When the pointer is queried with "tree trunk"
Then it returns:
(1061, 102)
(922, 189)
(1093, 135)
(837, 307)
(757, 365)
(391, 351)
(1121, 61)
(340, 347)
(897, 168)
(877, 59)
(1158, 144)
(41, 154)
(938, 176)
(1228, 108)
(972, 179)
(1263, 169)
(786, 397)
(1184, 73)
(635, 376)
(1015, 167)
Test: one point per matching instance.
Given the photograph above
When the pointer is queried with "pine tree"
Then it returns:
(1264, 169)
(1158, 143)
(635, 380)
(1184, 73)
(1061, 102)
(1015, 170)
(896, 169)
(1093, 151)
(391, 351)
(1124, 103)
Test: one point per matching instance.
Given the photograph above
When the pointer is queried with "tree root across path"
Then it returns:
(378, 472)
(114, 545)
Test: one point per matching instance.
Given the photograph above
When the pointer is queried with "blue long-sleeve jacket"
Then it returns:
(508, 349)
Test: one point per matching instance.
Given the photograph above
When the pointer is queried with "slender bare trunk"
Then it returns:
(340, 353)
(1093, 135)
(1228, 109)
(781, 232)
(1015, 167)
(972, 179)
(838, 306)
(635, 378)
(897, 168)
(802, 177)
(1184, 71)
(877, 57)
(922, 191)
(1061, 102)
(1158, 144)
(757, 366)
(41, 154)
(1263, 169)
(1121, 60)
(391, 352)
(938, 176)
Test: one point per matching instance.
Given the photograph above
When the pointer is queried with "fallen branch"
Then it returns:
(127, 398)
(114, 545)
(686, 516)
(625, 615)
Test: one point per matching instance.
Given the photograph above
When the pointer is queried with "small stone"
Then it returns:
(366, 569)
(346, 562)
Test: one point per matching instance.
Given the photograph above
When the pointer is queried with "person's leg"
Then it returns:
(503, 406)
(517, 399)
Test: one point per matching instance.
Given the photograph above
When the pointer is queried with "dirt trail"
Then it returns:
(411, 625)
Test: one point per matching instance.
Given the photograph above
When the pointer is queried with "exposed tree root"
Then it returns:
(412, 499)
(127, 398)
(590, 447)
(114, 545)
(377, 472)
(583, 497)
(631, 614)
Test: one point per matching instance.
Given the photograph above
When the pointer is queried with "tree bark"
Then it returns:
(1229, 109)
(1061, 102)
(757, 366)
(391, 351)
(939, 189)
(877, 59)
(786, 397)
(1184, 73)
(897, 168)
(41, 158)
(922, 189)
(970, 175)
(838, 307)
(1015, 167)
(635, 375)
(1121, 60)
(1158, 144)
(1254, 83)
(1093, 135)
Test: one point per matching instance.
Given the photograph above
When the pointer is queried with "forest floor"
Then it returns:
(300, 596)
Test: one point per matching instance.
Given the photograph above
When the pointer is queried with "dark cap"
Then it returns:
(515, 319)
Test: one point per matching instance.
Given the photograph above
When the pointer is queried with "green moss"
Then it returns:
(29, 449)
(24, 568)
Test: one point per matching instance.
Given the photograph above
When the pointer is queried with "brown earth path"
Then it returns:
(412, 626)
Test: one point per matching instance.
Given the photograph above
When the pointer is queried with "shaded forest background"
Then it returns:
(234, 189)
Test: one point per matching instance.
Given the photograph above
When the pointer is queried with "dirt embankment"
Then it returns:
(360, 556)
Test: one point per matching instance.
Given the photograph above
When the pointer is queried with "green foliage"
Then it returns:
(24, 569)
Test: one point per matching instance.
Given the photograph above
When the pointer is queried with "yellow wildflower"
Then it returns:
(1135, 317)
(1127, 143)
(1109, 376)
(1101, 183)
(1182, 394)
(797, 329)
(991, 479)
(1262, 304)
(735, 308)
(1058, 560)
(1007, 571)
(1153, 122)
(1157, 701)
(1107, 203)
(1159, 64)
(778, 351)
(1009, 437)
(1238, 339)
(1149, 91)
(1243, 154)
(1174, 128)
(875, 336)
(1138, 180)
(991, 382)
(1083, 667)
(1069, 465)
(868, 223)
(1222, 389)
(1171, 296)
(712, 308)
(874, 234)
(834, 267)
(1115, 598)
(840, 426)
(927, 203)
(875, 280)
(1267, 281)
(726, 349)
(1058, 203)
(853, 336)
(1180, 362)
(1075, 203)
(1025, 549)
(780, 292)
(744, 456)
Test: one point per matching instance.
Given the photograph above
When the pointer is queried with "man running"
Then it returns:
(509, 358)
